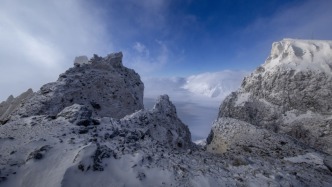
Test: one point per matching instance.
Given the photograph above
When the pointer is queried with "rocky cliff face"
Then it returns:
(104, 85)
(290, 93)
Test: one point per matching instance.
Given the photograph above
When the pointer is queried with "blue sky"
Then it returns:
(189, 49)
(202, 35)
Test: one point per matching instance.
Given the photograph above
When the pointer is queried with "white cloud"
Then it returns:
(216, 84)
(41, 38)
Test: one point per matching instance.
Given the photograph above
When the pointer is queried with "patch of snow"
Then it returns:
(291, 116)
(242, 98)
(122, 172)
(79, 60)
(201, 142)
(309, 158)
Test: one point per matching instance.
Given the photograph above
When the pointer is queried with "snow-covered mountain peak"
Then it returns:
(300, 55)
(290, 93)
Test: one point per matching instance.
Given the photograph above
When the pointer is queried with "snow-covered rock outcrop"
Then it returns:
(12, 104)
(229, 134)
(103, 85)
(290, 93)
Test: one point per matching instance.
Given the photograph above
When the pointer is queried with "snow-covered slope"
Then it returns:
(290, 93)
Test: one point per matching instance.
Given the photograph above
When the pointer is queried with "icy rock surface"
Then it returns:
(104, 85)
(231, 134)
(75, 113)
(290, 93)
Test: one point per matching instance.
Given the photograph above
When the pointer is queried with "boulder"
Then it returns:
(75, 113)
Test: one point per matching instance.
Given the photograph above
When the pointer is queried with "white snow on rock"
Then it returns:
(242, 99)
(80, 60)
(230, 134)
(301, 55)
(201, 142)
(311, 158)
(290, 93)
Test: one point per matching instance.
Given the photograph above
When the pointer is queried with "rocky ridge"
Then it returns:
(290, 93)
(104, 85)
(56, 137)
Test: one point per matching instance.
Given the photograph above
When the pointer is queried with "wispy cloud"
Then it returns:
(309, 19)
(41, 38)
(140, 48)
(144, 60)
